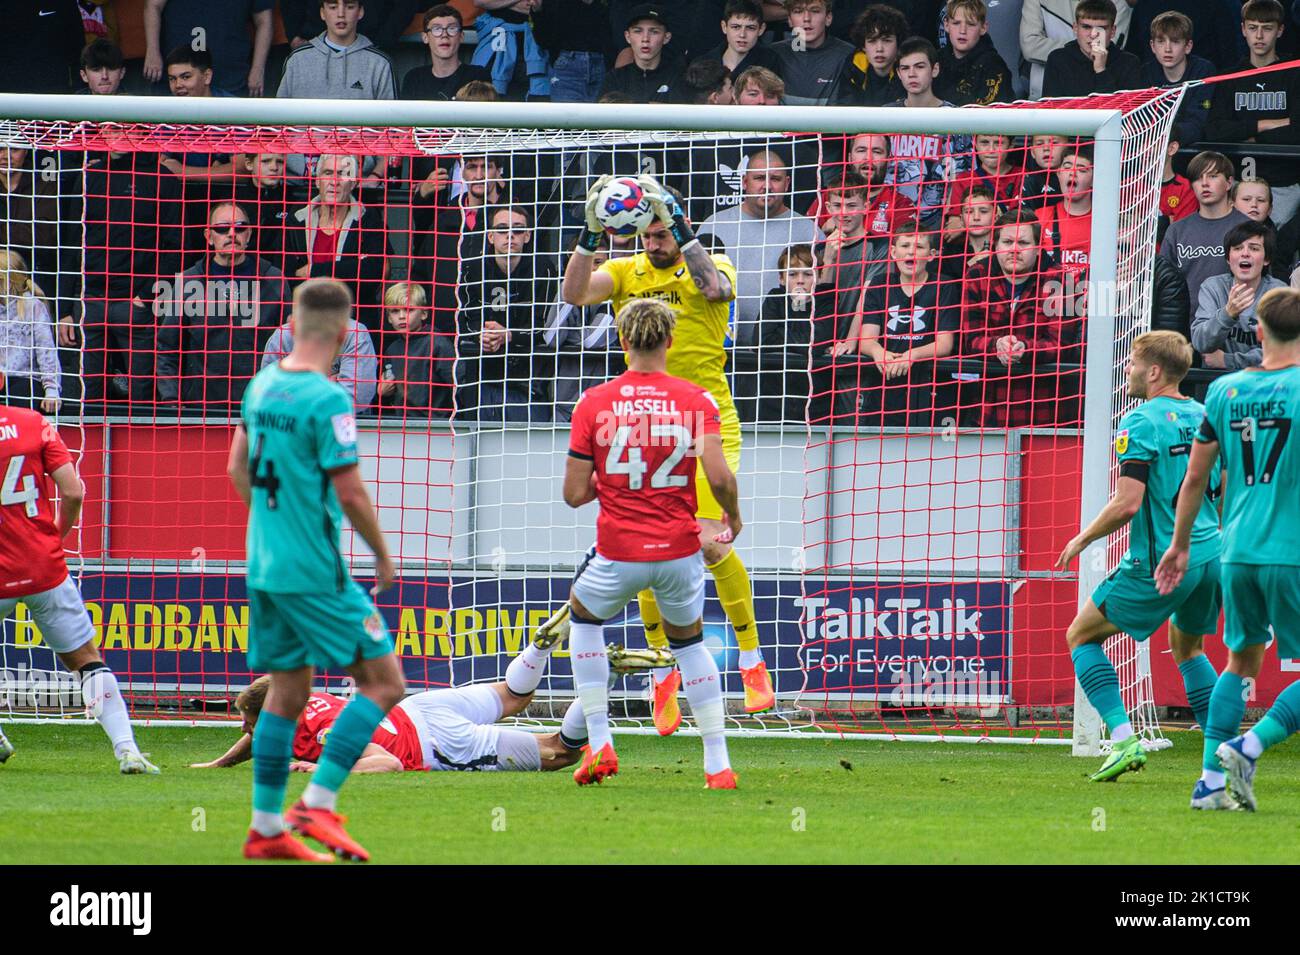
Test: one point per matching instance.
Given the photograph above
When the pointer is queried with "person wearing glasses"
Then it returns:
(505, 300)
(443, 32)
(217, 319)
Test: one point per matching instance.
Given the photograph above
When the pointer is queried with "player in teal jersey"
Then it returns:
(294, 463)
(1153, 444)
(1249, 418)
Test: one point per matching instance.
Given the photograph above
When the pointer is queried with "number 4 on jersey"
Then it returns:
(10, 493)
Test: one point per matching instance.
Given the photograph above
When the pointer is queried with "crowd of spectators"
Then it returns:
(891, 279)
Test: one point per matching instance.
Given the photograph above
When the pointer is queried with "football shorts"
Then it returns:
(289, 631)
(1131, 602)
(606, 586)
(59, 614)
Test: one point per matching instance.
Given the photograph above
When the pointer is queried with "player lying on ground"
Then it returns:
(700, 289)
(34, 571)
(632, 446)
(1249, 418)
(1152, 444)
(443, 729)
(293, 461)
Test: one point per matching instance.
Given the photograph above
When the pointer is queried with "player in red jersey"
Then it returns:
(441, 729)
(33, 570)
(632, 446)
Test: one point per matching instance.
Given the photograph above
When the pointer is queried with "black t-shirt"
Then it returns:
(760, 55)
(908, 322)
(420, 83)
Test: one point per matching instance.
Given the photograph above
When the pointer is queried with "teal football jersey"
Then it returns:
(1160, 433)
(300, 426)
(1251, 413)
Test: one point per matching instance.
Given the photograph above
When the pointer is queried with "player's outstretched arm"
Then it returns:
(579, 481)
(1119, 510)
(374, 759)
(71, 494)
(1173, 565)
(722, 481)
(582, 284)
(240, 752)
(355, 501)
(237, 465)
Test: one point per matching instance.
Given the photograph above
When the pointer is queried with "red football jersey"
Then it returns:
(396, 733)
(1177, 200)
(638, 430)
(1068, 237)
(31, 550)
(884, 213)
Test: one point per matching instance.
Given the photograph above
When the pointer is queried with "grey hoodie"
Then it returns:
(317, 70)
(1213, 330)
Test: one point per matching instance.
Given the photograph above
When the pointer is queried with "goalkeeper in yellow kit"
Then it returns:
(674, 268)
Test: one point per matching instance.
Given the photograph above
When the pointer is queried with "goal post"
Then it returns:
(483, 548)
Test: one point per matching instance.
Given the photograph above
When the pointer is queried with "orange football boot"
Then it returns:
(759, 695)
(283, 846)
(326, 828)
(596, 766)
(667, 711)
(723, 780)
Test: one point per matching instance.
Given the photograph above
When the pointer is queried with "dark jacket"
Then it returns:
(131, 233)
(647, 86)
(1189, 124)
(1069, 72)
(1170, 306)
(213, 329)
(760, 55)
(271, 211)
(421, 364)
(862, 87)
(521, 302)
(981, 76)
(1240, 104)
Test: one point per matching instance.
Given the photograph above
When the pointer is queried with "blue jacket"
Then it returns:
(1189, 124)
(502, 61)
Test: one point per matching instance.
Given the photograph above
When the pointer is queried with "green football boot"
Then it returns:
(1125, 757)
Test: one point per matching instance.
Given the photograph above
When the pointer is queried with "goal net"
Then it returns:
(924, 355)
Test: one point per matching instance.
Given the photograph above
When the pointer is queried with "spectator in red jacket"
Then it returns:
(1012, 318)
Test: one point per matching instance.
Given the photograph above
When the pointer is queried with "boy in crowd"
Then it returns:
(813, 64)
(189, 73)
(970, 69)
(339, 63)
(1093, 63)
(264, 191)
(1067, 225)
(994, 170)
(785, 330)
(1047, 26)
(909, 319)
(1040, 187)
(653, 75)
(967, 249)
(1195, 244)
(1224, 329)
(1177, 198)
(1173, 63)
(743, 26)
(442, 34)
(238, 53)
(758, 86)
(886, 206)
(872, 77)
(707, 83)
(417, 365)
(102, 68)
(925, 165)
(850, 259)
(1261, 108)
(1253, 198)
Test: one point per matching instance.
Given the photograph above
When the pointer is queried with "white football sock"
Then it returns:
(591, 677)
(269, 824)
(526, 670)
(574, 727)
(1121, 733)
(704, 692)
(750, 658)
(316, 796)
(1252, 745)
(103, 699)
(1213, 778)
(662, 673)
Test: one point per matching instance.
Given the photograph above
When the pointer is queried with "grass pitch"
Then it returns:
(62, 801)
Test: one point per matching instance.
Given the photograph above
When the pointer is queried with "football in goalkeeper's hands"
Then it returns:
(623, 208)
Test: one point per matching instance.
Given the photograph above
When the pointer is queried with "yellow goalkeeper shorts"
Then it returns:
(706, 506)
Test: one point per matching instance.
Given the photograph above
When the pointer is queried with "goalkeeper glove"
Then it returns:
(668, 211)
(593, 237)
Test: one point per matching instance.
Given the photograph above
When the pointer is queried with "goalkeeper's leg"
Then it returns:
(736, 595)
(1100, 684)
(6, 747)
(665, 681)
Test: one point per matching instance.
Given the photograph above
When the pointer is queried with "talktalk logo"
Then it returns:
(892, 618)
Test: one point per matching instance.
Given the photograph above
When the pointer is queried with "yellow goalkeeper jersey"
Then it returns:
(699, 352)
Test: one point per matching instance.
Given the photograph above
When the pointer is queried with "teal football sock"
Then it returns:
(1101, 686)
(1282, 719)
(272, 750)
(349, 736)
(1198, 680)
(1223, 719)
